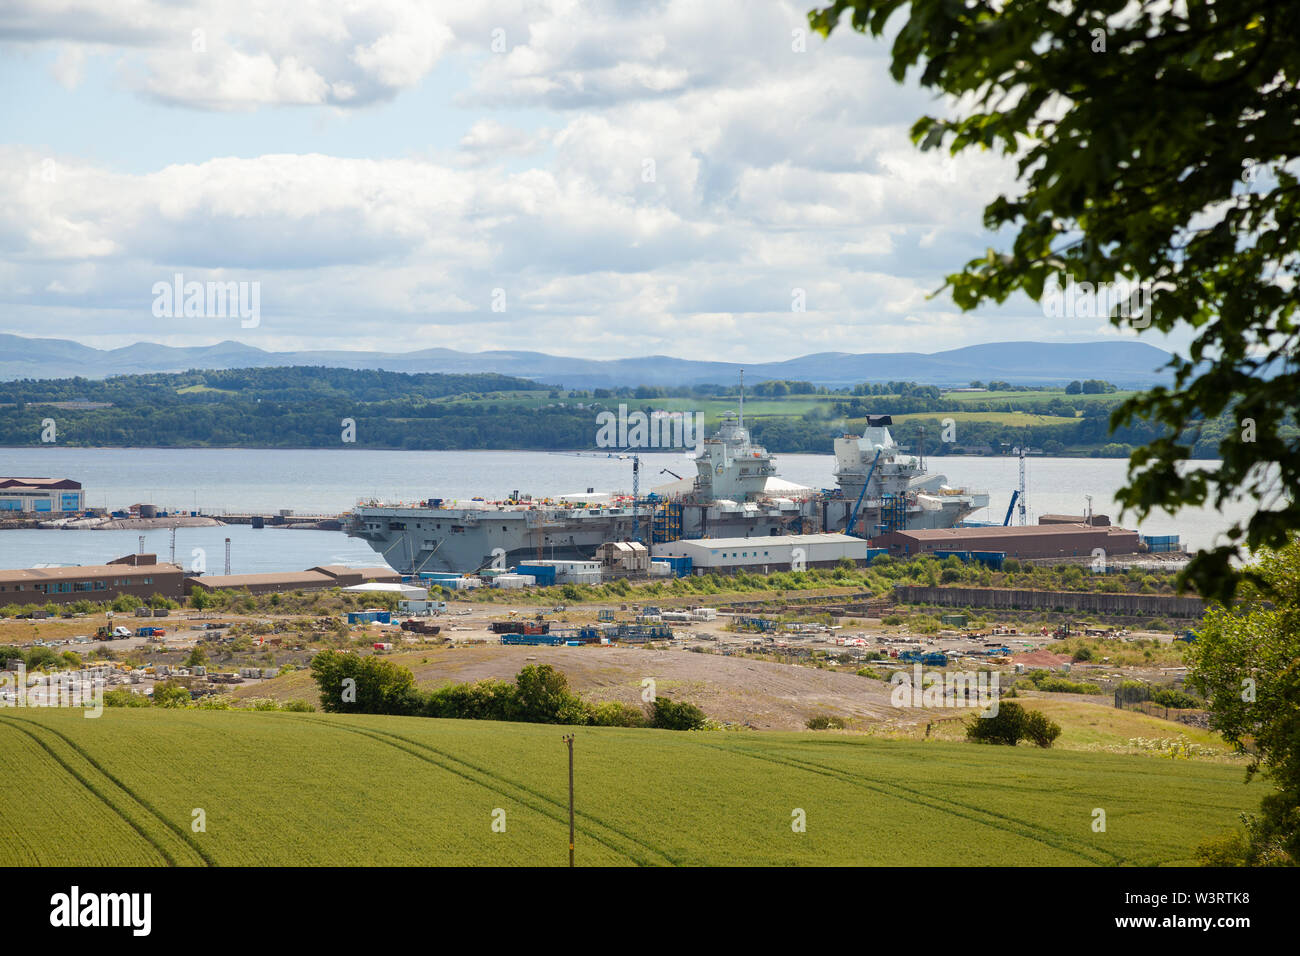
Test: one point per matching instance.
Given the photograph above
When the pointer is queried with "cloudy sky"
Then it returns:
(617, 178)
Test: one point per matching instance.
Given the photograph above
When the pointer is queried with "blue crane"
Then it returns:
(1014, 495)
(853, 515)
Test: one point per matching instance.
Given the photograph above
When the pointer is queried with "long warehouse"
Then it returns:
(1030, 541)
(768, 553)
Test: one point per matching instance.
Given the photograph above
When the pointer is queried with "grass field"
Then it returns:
(1045, 395)
(1089, 723)
(1001, 418)
(278, 788)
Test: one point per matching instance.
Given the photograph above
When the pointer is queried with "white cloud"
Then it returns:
(243, 54)
(69, 68)
(666, 176)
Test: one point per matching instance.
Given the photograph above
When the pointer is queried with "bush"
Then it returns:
(215, 702)
(122, 697)
(826, 723)
(1170, 697)
(1052, 684)
(363, 685)
(668, 714)
(613, 714)
(484, 700)
(1012, 724)
(1007, 726)
(544, 698)
(169, 694)
(1228, 849)
(1039, 729)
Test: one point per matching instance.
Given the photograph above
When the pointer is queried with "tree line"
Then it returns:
(353, 684)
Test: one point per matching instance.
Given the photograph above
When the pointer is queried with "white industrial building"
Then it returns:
(407, 592)
(41, 495)
(765, 554)
(631, 556)
(412, 599)
(572, 571)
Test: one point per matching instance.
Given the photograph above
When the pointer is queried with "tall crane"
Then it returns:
(853, 515)
(1022, 517)
(1015, 495)
(636, 482)
(636, 497)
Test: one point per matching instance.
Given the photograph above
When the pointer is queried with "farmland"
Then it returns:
(280, 788)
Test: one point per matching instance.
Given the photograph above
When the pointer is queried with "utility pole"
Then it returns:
(568, 739)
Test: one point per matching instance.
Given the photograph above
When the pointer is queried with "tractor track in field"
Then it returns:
(552, 809)
(25, 727)
(175, 828)
(900, 792)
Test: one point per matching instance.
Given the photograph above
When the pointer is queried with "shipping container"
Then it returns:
(544, 574)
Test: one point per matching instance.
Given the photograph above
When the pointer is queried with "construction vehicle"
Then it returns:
(106, 633)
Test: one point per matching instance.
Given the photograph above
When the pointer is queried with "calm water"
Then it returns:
(316, 481)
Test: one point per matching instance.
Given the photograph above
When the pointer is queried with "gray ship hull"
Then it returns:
(413, 540)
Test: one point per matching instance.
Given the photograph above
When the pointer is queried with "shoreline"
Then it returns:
(597, 452)
(154, 524)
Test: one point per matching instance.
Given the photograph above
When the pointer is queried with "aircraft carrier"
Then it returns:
(735, 493)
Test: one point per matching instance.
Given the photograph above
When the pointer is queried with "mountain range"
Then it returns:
(1126, 364)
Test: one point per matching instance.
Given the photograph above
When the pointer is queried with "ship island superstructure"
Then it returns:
(735, 493)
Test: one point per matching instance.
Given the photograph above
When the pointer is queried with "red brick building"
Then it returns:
(136, 574)
(313, 579)
(1030, 541)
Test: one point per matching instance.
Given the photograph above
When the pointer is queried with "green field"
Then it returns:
(1001, 418)
(1040, 395)
(283, 789)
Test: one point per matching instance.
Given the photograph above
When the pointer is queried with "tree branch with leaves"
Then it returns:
(1154, 145)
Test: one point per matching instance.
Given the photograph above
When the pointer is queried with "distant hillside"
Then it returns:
(1126, 364)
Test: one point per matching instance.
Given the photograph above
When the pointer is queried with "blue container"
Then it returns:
(681, 565)
(544, 573)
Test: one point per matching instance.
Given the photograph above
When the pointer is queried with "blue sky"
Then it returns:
(618, 179)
